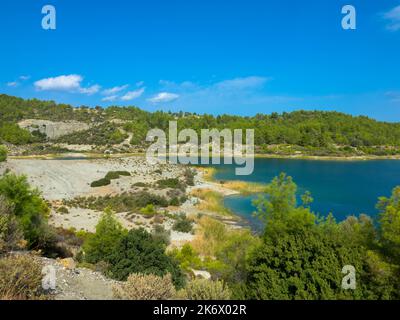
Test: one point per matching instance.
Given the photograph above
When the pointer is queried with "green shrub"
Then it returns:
(101, 245)
(13, 134)
(11, 234)
(3, 153)
(183, 224)
(140, 184)
(138, 252)
(202, 289)
(20, 278)
(100, 183)
(172, 183)
(30, 210)
(148, 210)
(63, 210)
(146, 287)
(112, 175)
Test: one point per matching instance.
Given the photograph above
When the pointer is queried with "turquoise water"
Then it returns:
(341, 187)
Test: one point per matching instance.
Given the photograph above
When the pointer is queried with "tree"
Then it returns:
(101, 245)
(30, 210)
(389, 219)
(3, 153)
(10, 231)
(301, 256)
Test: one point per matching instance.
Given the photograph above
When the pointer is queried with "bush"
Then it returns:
(112, 175)
(160, 234)
(146, 287)
(138, 252)
(10, 233)
(100, 183)
(20, 278)
(148, 210)
(201, 289)
(13, 134)
(124, 202)
(63, 210)
(172, 183)
(183, 224)
(28, 207)
(100, 245)
(3, 153)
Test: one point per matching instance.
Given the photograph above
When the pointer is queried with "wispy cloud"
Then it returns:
(16, 83)
(243, 83)
(393, 19)
(164, 97)
(114, 90)
(133, 94)
(69, 83)
(90, 90)
(393, 96)
(12, 84)
(110, 98)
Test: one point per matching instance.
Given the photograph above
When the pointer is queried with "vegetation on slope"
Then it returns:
(307, 132)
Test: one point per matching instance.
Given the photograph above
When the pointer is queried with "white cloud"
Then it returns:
(113, 91)
(12, 84)
(110, 98)
(70, 83)
(24, 78)
(164, 97)
(139, 84)
(133, 94)
(61, 83)
(393, 16)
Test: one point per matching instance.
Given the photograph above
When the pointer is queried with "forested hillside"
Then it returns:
(303, 130)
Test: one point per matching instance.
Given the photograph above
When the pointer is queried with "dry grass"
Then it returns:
(145, 287)
(211, 201)
(20, 278)
(211, 233)
(207, 173)
(243, 187)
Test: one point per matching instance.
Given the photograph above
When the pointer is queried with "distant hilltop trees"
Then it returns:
(303, 129)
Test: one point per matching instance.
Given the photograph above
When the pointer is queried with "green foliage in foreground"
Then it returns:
(302, 256)
(125, 253)
(138, 252)
(3, 153)
(101, 244)
(28, 207)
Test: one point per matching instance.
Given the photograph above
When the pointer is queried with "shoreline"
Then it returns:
(93, 155)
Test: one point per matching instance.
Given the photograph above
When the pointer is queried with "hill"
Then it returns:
(306, 132)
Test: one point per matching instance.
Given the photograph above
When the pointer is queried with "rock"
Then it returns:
(51, 129)
(201, 274)
(68, 263)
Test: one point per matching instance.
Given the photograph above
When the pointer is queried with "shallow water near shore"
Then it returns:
(341, 187)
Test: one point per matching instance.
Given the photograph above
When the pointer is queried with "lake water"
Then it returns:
(341, 187)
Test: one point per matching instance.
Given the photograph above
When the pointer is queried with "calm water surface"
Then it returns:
(341, 187)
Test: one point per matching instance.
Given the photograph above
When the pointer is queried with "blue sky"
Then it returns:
(208, 56)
